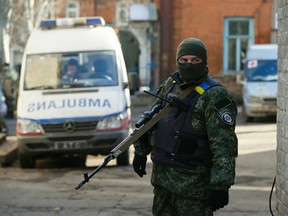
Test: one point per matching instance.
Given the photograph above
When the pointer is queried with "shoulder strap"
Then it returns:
(205, 85)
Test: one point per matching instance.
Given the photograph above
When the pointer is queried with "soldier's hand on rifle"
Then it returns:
(139, 164)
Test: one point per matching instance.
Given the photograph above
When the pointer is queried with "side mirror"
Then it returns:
(240, 79)
(134, 82)
(125, 85)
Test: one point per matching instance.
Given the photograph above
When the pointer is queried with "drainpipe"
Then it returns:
(274, 29)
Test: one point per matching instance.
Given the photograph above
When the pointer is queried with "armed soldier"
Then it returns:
(193, 150)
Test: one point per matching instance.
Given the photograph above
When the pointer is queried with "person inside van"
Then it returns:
(100, 70)
(71, 71)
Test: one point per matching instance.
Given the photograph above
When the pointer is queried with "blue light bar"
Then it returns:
(78, 21)
(48, 23)
(95, 21)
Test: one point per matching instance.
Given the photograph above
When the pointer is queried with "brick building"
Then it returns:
(282, 114)
(227, 27)
(86, 8)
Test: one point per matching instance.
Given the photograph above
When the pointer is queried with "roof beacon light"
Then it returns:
(48, 23)
(95, 21)
(68, 22)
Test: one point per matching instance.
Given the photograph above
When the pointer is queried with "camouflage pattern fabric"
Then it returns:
(169, 204)
(215, 113)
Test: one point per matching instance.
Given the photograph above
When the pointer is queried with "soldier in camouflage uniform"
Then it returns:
(193, 150)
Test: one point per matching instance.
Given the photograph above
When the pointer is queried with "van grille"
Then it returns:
(73, 127)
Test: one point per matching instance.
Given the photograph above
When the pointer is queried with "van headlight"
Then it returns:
(112, 123)
(26, 127)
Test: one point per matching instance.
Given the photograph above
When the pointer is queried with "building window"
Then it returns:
(238, 34)
(72, 9)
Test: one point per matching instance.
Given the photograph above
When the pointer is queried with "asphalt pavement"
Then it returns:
(256, 163)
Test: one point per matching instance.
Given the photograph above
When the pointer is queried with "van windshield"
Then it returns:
(70, 70)
(261, 70)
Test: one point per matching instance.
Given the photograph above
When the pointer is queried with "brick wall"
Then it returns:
(205, 20)
(282, 115)
(103, 8)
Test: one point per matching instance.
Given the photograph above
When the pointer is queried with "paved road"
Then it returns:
(49, 189)
(256, 168)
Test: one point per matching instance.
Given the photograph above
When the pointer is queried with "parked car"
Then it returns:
(85, 110)
(260, 81)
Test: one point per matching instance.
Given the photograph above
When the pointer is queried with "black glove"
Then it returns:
(218, 199)
(139, 164)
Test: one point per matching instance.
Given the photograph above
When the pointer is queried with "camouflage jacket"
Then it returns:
(208, 117)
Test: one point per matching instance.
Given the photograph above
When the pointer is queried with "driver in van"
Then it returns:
(71, 71)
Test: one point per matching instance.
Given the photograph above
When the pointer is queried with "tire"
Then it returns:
(26, 162)
(246, 118)
(249, 119)
(79, 160)
(123, 159)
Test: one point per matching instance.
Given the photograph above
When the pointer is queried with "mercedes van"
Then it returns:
(73, 94)
(260, 81)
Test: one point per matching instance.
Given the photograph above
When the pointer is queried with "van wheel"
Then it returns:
(79, 160)
(123, 159)
(249, 119)
(26, 161)
(245, 116)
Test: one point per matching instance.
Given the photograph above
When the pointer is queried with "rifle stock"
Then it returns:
(132, 138)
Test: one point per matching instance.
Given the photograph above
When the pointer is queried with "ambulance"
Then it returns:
(78, 113)
(260, 82)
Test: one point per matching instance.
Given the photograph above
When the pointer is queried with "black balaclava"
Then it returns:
(192, 73)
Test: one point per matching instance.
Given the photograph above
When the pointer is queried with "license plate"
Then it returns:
(70, 144)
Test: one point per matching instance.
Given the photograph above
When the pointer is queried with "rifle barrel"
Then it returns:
(88, 177)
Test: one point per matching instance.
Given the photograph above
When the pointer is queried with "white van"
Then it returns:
(260, 81)
(73, 94)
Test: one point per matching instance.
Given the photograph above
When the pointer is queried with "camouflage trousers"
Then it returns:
(169, 204)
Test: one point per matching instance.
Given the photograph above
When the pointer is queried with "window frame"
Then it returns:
(72, 10)
(238, 39)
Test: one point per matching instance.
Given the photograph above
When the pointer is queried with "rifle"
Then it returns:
(144, 124)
